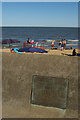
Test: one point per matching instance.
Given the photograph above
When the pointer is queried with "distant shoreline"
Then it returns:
(36, 27)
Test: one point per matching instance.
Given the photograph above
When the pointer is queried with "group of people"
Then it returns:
(62, 44)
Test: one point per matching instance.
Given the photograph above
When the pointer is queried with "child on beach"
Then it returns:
(62, 45)
(59, 47)
(52, 44)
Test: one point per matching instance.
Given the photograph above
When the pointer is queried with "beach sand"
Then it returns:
(50, 52)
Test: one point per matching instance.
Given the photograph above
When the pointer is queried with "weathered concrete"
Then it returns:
(18, 70)
(49, 91)
(0, 85)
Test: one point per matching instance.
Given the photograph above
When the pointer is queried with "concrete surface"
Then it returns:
(49, 91)
(0, 85)
(17, 72)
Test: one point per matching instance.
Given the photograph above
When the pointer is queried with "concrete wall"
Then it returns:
(17, 71)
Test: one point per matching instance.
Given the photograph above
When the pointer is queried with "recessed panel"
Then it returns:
(49, 91)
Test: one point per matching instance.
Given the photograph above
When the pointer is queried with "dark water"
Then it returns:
(42, 34)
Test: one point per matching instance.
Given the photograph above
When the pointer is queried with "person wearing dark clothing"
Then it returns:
(28, 40)
(74, 52)
(60, 43)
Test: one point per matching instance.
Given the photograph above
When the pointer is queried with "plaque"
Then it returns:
(49, 91)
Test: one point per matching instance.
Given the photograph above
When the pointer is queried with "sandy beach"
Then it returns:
(50, 52)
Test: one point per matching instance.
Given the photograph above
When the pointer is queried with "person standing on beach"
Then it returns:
(59, 47)
(64, 43)
(60, 43)
(52, 44)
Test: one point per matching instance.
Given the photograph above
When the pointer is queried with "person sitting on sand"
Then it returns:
(52, 44)
(28, 40)
(74, 53)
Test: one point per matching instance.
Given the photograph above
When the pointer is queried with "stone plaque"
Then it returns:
(49, 91)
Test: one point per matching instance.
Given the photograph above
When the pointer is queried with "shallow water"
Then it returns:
(43, 34)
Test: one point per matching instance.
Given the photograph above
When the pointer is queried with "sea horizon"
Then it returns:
(40, 26)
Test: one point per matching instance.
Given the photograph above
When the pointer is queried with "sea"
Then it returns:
(43, 35)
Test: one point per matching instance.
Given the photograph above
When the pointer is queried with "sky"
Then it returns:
(43, 14)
